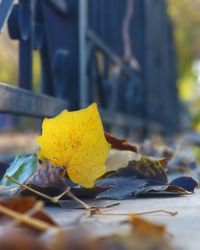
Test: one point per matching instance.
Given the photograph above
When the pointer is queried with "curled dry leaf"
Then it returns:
(23, 205)
(47, 176)
(150, 168)
(75, 141)
(121, 185)
(144, 177)
(146, 228)
(121, 144)
(186, 183)
(149, 235)
(117, 159)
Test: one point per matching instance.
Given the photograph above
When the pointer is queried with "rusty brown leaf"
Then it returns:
(121, 144)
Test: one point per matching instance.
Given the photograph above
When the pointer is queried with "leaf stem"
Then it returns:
(29, 188)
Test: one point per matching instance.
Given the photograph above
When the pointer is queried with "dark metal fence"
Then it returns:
(148, 90)
(117, 53)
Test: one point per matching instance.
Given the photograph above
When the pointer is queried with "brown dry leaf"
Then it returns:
(147, 235)
(121, 144)
(23, 205)
(150, 168)
(144, 227)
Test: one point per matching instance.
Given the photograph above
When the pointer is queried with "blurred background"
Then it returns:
(138, 59)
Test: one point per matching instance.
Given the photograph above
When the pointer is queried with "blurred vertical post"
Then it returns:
(83, 25)
(25, 44)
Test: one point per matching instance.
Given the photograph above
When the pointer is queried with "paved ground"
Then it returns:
(14, 143)
(185, 226)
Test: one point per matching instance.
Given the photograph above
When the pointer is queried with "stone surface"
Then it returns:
(184, 227)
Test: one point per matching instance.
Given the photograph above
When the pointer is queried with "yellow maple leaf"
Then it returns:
(76, 141)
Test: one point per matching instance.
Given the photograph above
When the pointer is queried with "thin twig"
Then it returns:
(55, 199)
(38, 224)
(85, 205)
(140, 213)
(159, 211)
(52, 199)
(37, 207)
(29, 188)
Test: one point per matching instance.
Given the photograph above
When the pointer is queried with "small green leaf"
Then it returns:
(20, 169)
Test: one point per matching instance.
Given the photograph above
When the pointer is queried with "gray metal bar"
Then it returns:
(83, 24)
(23, 102)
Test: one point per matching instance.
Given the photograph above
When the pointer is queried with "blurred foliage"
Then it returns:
(9, 74)
(9, 62)
(36, 71)
(8, 59)
(185, 15)
(196, 151)
(194, 109)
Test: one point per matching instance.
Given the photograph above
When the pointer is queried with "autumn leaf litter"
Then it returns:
(78, 160)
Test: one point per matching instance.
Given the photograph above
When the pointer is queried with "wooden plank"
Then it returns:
(23, 102)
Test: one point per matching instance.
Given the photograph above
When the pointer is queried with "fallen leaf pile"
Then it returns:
(30, 227)
(78, 160)
(143, 177)
(76, 154)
